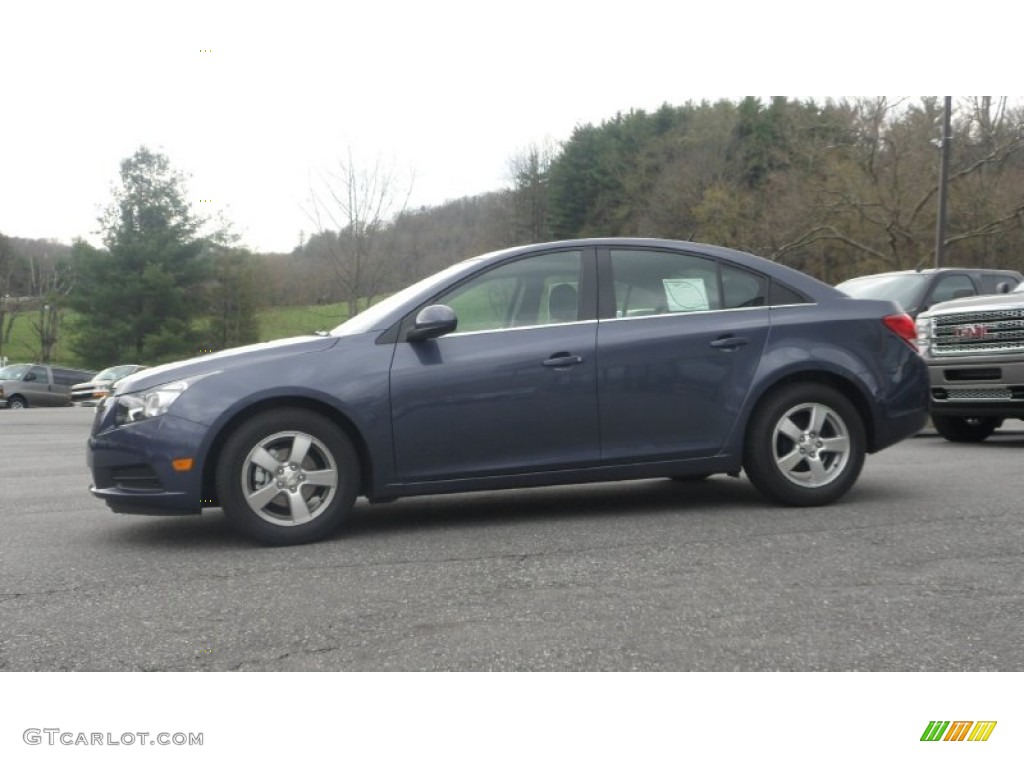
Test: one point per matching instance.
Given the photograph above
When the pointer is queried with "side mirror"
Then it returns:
(433, 321)
(29, 376)
(1002, 287)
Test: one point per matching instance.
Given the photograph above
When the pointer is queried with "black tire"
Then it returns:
(16, 402)
(960, 429)
(805, 445)
(257, 459)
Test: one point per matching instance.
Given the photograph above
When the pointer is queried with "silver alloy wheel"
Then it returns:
(289, 478)
(811, 445)
(15, 403)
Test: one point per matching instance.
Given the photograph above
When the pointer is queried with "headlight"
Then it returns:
(150, 403)
(924, 333)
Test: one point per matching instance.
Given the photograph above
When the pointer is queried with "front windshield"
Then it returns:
(112, 374)
(370, 319)
(13, 372)
(905, 290)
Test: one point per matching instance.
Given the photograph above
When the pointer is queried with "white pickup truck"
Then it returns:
(974, 348)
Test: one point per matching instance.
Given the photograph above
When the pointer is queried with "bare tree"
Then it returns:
(8, 304)
(352, 209)
(876, 199)
(51, 283)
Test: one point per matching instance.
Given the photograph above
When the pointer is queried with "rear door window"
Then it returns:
(950, 287)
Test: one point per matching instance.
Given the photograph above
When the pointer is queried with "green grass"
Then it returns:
(274, 323)
(24, 343)
(282, 322)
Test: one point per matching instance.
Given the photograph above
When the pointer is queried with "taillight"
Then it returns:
(903, 326)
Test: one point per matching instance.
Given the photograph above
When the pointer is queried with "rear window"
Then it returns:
(67, 376)
(991, 283)
(905, 290)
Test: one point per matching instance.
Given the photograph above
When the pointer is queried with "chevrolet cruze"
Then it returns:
(567, 362)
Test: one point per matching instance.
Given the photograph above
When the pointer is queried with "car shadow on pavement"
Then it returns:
(641, 498)
(209, 531)
(635, 499)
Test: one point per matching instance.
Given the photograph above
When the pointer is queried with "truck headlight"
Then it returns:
(924, 333)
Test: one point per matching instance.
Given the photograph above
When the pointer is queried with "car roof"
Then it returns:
(796, 279)
(936, 270)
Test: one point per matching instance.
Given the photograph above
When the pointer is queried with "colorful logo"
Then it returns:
(959, 730)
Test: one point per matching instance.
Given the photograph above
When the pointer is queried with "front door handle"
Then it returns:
(729, 342)
(562, 360)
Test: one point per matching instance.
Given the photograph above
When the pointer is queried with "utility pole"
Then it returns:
(947, 140)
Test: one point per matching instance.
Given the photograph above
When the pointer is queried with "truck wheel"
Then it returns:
(805, 445)
(17, 402)
(962, 429)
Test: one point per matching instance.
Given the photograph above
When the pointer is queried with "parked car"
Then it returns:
(92, 391)
(917, 290)
(26, 384)
(974, 349)
(569, 362)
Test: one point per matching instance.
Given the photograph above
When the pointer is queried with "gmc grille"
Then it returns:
(978, 333)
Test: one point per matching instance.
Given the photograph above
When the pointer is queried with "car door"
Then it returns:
(679, 340)
(513, 388)
(949, 286)
(37, 387)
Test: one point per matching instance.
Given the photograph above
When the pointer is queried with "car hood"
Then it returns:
(991, 303)
(223, 360)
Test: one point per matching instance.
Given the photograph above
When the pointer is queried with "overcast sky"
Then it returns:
(255, 101)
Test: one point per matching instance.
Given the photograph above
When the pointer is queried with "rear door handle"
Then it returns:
(562, 360)
(730, 342)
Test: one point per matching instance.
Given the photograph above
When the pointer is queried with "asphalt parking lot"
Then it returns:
(920, 567)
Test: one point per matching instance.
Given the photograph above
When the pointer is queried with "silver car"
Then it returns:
(27, 384)
(92, 391)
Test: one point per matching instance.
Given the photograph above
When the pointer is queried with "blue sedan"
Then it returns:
(568, 362)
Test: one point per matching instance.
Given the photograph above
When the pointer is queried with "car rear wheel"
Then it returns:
(959, 429)
(17, 402)
(805, 446)
(287, 476)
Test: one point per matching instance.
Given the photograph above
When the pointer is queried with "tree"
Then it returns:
(876, 194)
(352, 210)
(138, 299)
(51, 283)
(529, 172)
(232, 298)
(7, 304)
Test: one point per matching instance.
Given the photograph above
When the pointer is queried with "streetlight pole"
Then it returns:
(947, 139)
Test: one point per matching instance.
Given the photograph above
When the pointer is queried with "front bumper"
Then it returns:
(132, 467)
(981, 386)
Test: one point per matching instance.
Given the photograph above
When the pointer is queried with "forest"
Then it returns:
(836, 188)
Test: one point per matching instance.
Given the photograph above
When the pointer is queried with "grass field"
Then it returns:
(274, 323)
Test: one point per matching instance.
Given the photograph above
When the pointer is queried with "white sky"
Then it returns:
(446, 92)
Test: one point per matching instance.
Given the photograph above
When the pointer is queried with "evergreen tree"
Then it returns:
(138, 298)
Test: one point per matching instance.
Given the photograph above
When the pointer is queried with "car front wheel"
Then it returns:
(805, 446)
(958, 429)
(17, 403)
(287, 476)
